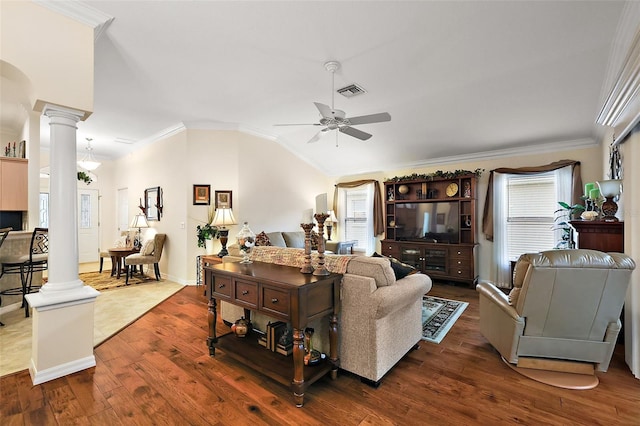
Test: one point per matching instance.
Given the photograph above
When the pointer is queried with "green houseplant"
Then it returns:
(563, 216)
(206, 232)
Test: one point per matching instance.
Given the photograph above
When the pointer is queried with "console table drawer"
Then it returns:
(222, 287)
(247, 292)
(275, 300)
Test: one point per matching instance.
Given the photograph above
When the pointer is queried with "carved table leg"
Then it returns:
(212, 318)
(333, 343)
(298, 365)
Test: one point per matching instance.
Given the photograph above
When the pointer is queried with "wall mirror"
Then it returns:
(153, 203)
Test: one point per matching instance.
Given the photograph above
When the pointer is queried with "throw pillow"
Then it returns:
(262, 239)
(400, 269)
(148, 247)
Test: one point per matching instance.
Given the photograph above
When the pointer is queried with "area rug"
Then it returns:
(438, 316)
(104, 281)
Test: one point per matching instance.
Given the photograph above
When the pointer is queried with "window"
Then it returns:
(530, 207)
(524, 214)
(44, 210)
(355, 210)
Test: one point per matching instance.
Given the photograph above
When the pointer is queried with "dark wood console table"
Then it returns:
(284, 293)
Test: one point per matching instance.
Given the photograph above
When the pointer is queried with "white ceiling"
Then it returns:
(458, 78)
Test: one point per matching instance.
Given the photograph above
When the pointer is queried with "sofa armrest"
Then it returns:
(500, 299)
(231, 259)
(389, 299)
(499, 322)
(361, 293)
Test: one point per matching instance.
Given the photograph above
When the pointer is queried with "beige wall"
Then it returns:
(590, 159)
(270, 189)
(53, 51)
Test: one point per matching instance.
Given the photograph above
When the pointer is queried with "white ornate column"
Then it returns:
(62, 337)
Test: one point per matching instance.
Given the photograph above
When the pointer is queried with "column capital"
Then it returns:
(57, 111)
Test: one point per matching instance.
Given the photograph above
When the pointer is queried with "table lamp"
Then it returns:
(139, 221)
(222, 219)
(329, 223)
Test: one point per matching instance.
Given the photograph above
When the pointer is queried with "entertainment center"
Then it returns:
(431, 225)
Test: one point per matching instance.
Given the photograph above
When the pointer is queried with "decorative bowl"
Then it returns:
(589, 215)
(403, 189)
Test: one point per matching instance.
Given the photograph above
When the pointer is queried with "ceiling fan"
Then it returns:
(336, 119)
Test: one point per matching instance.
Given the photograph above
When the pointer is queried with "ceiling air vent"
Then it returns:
(351, 91)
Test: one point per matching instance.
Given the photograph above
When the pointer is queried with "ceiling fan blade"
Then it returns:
(325, 111)
(355, 133)
(316, 137)
(373, 118)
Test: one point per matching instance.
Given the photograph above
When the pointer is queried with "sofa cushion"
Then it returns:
(262, 239)
(294, 239)
(378, 268)
(400, 269)
(276, 239)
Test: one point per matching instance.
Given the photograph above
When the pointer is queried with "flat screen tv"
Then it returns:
(428, 222)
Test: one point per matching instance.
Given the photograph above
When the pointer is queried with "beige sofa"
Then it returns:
(380, 318)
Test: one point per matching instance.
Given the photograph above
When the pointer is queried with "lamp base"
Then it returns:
(609, 210)
(224, 238)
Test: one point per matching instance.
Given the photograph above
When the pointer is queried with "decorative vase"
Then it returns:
(208, 246)
(246, 240)
(241, 327)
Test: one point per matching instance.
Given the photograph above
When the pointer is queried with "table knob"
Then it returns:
(245, 292)
(222, 286)
(274, 300)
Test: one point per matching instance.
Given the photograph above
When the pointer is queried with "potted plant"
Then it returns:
(563, 216)
(207, 233)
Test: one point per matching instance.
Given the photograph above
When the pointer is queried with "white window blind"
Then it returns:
(531, 201)
(355, 212)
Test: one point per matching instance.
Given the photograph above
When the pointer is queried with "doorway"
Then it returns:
(88, 226)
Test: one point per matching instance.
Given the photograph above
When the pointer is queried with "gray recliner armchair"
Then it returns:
(565, 305)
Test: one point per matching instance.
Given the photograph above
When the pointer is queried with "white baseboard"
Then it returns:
(38, 377)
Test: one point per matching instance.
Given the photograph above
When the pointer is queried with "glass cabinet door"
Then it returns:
(435, 260)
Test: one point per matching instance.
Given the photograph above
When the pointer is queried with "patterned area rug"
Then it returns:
(438, 316)
(104, 281)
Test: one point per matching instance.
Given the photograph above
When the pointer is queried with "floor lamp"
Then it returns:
(222, 219)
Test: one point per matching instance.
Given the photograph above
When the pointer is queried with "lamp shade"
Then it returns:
(139, 221)
(610, 188)
(332, 217)
(223, 217)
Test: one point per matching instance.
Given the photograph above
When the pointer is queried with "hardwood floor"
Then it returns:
(158, 371)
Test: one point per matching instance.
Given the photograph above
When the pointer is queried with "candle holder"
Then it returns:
(307, 268)
(320, 218)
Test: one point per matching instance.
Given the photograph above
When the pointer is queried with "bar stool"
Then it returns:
(3, 234)
(35, 261)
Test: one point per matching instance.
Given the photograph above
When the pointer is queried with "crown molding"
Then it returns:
(530, 149)
(620, 108)
(80, 12)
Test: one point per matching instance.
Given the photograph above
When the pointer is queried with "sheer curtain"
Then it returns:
(500, 212)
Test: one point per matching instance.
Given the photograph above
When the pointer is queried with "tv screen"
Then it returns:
(428, 222)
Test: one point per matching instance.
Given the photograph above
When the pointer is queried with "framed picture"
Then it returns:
(223, 199)
(202, 194)
(153, 203)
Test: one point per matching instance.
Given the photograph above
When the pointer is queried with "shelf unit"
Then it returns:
(443, 249)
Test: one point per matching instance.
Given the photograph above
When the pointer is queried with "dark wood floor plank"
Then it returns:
(158, 371)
